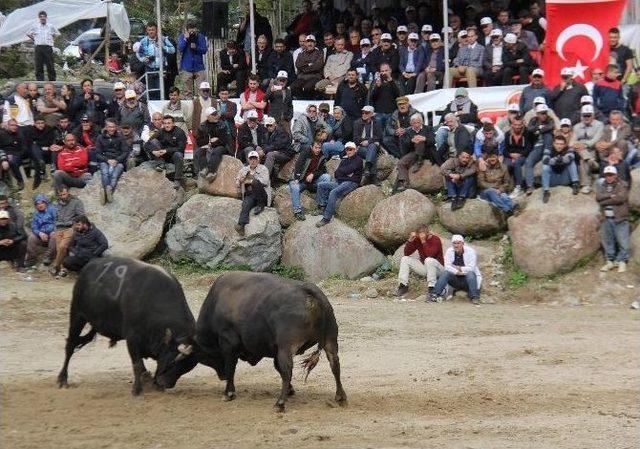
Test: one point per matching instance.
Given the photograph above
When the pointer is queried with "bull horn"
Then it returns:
(184, 349)
(179, 357)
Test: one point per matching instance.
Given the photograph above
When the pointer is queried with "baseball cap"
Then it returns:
(205, 85)
(609, 169)
(434, 37)
(586, 99)
(119, 85)
(385, 37)
(4, 214)
(496, 32)
(211, 110)
(485, 21)
(367, 108)
(447, 30)
(252, 114)
(462, 33)
(427, 28)
(510, 38)
(586, 109)
(461, 92)
(542, 107)
(537, 72)
(324, 107)
(457, 238)
(402, 100)
(365, 41)
(486, 120)
(269, 121)
(513, 107)
(539, 100)
(282, 74)
(130, 93)
(402, 29)
(566, 71)
(86, 118)
(350, 145)
(410, 8)
(414, 36)
(565, 122)
(310, 37)
(253, 154)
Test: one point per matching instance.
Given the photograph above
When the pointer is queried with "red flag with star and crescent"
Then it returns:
(578, 37)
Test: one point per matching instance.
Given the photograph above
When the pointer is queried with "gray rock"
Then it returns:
(225, 182)
(371, 293)
(286, 171)
(635, 246)
(133, 223)
(634, 193)
(356, 207)
(282, 203)
(204, 232)
(333, 249)
(476, 218)
(385, 164)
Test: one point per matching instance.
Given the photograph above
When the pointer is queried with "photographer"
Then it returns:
(193, 46)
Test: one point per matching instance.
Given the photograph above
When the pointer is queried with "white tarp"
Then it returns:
(630, 36)
(61, 13)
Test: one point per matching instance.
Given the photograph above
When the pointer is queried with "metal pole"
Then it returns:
(107, 36)
(445, 39)
(253, 38)
(160, 56)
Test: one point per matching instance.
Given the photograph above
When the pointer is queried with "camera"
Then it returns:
(151, 58)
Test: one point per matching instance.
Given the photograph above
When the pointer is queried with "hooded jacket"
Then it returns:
(44, 221)
(89, 244)
(111, 147)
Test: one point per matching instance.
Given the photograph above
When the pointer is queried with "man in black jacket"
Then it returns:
(251, 135)
(277, 146)
(384, 92)
(12, 241)
(168, 146)
(565, 98)
(212, 139)
(387, 53)
(541, 127)
(88, 243)
(279, 100)
(112, 152)
(351, 95)
(516, 60)
(281, 60)
(418, 143)
(367, 134)
(310, 170)
(39, 138)
(233, 66)
(14, 145)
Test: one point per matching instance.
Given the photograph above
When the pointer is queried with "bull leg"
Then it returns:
(331, 349)
(285, 363)
(138, 366)
(291, 390)
(230, 362)
(76, 324)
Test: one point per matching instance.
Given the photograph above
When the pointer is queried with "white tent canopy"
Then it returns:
(61, 13)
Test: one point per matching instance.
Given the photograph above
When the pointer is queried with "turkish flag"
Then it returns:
(578, 37)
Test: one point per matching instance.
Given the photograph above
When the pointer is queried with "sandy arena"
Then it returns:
(507, 375)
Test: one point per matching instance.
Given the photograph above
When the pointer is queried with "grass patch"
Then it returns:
(515, 276)
(289, 272)
(188, 267)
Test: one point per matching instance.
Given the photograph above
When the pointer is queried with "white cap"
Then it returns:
(462, 33)
(386, 37)
(205, 85)
(447, 30)
(282, 74)
(130, 93)
(511, 38)
(542, 107)
(513, 107)
(402, 29)
(486, 120)
(252, 113)
(434, 36)
(211, 110)
(565, 122)
(414, 36)
(310, 37)
(365, 41)
(496, 32)
(427, 28)
(586, 109)
(586, 99)
(269, 120)
(350, 145)
(253, 154)
(135, 47)
(485, 21)
(4, 214)
(538, 72)
(608, 169)
(119, 85)
(367, 108)
(566, 71)
(457, 238)
(539, 100)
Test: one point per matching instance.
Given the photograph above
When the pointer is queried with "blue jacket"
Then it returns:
(439, 58)
(418, 59)
(192, 59)
(607, 95)
(44, 221)
(148, 49)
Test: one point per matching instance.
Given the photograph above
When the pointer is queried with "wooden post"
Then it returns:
(107, 36)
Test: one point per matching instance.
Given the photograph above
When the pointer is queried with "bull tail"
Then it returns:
(310, 362)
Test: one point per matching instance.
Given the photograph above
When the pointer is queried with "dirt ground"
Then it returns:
(536, 370)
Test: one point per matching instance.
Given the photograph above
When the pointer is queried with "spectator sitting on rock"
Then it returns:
(384, 90)
(566, 130)
(112, 153)
(531, 113)
(616, 134)
(69, 208)
(251, 135)
(323, 113)
(279, 100)
(460, 178)
(43, 225)
(397, 125)
(87, 134)
(212, 141)
(73, 165)
(310, 170)
(62, 129)
(12, 247)
(454, 139)
(347, 178)
(51, 105)
(541, 127)
(494, 181)
(461, 272)
(14, 147)
(15, 213)
(228, 111)
(503, 123)
(277, 147)
(341, 132)
(429, 263)
(615, 159)
(613, 197)
(488, 135)
(88, 243)
(39, 138)
(367, 135)
(168, 146)
(559, 168)
(254, 186)
(517, 145)
(585, 136)
(181, 112)
(464, 109)
(152, 131)
(351, 95)
(305, 128)
(134, 145)
(418, 145)
(133, 111)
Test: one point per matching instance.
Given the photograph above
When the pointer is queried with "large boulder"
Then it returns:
(333, 249)
(332, 165)
(282, 203)
(133, 223)
(635, 246)
(428, 179)
(634, 193)
(225, 182)
(393, 219)
(385, 164)
(204, 232)
(551, 238)
(285, 172)
(476, 218)
(356, 207)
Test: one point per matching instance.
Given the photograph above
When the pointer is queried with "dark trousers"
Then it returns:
(44, 57)
(276, 157)
(222, 79)
(494, 79)
(62, 178)
(208, 158)
(14, 164)
(176, 158)
(510, 72)
(304, 89)
(14, 253)
(75, 263)
(254, 196)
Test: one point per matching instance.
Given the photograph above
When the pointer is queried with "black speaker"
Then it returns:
(215, 19)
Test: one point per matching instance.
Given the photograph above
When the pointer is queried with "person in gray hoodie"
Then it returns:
(69, 207)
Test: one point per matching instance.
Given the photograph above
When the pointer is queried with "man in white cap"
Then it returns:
(504, 123)
(117, 99)
(201, 103)
(586, 135)
(434, 68)
(280, 101)
(516, 61)
(402, 33)
(492, 63)
(335, 68)
(532, 91)
(461, 272)
(213, 142)
(133, 112)
(486, 25)
(386, 52)
(367, 135)
(541, 127)
(565, 97)
(309, 64)
(411, 63)
(468, 62)
(597, 113)
(531, 113)
(277, 148)
(425, 33)
(254, 187)
(363, 61)
(613, 197)
(13, 245)
(233, 65)
(251, 135)
(559, 168)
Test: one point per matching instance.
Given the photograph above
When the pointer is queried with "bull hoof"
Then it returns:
(62, 382)
(279, 406)
(158, 387)
(341, 400)
(291, 392)
(136, 390)
(229, 396)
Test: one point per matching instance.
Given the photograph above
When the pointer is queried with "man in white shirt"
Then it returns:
(492, 63)
(42, 35)
(18, 107)
(461, 272)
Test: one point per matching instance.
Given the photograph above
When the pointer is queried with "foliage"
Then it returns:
(515, 276)
(290, 272)
(13, 64)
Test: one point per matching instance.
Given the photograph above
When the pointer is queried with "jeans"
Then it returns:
(516, 169)
(535, 156)
(276, 157)
(633, 158)
(333, 148)
(465, 189)
(370, 155)
(61, 178)
(329, 192)
(297, 187)
(552, 178)
(615, 236)
(497, 199)
(110, 175)
(468, 282)
(383, 118)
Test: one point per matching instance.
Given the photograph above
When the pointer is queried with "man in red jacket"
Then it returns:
(73, 164)
(429, 263)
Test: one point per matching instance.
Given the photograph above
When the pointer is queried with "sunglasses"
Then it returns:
(587, 115)
(350, 149)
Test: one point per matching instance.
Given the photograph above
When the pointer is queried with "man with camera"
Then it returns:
(193, 46)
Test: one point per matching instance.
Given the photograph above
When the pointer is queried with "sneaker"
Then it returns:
(545, 196)
(575, 188)
(322, 223)
(516, 193)
(109, 194)
(432, 297)
(103, 196)
(62, 273)
(401, 290)
(299, 216)
(239, 229)
(622, 267)
(586, 190)
(607, 266)
(53, 271)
